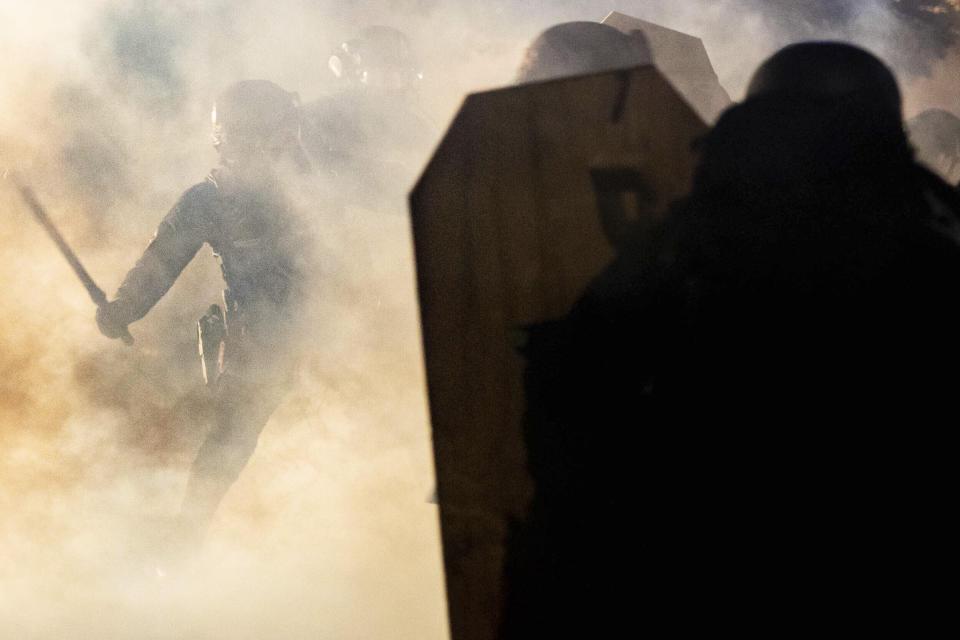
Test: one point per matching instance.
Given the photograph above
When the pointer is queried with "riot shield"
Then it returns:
(683, 60)
(520, 207)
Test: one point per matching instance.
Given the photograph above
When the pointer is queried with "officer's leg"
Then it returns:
(243, 409)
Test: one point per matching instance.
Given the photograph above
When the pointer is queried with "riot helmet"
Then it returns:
(381, 58)
(575, 48)
(256, 119)
(830, 70)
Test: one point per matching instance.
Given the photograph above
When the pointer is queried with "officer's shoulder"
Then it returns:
(198, 193)
(196, 202)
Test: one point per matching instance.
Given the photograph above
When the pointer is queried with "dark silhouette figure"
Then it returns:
(246, 213)
(743, 423)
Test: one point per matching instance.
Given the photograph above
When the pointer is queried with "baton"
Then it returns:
(96, 293)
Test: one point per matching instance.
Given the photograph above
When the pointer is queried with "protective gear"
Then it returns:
(254, 118)
(111, 320)
(509, 192)
(381, 58)
(371, 134)
(831, 70)
(576, 48)
(682, 58)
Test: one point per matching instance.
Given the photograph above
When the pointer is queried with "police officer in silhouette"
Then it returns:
(244, 211)
(372, 134)
(739, 425)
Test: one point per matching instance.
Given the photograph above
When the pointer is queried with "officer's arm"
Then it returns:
(177, 240)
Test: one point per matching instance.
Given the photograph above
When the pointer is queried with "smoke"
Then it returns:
(911, 36)
(104, 109)
(328, 533)
(137, 47)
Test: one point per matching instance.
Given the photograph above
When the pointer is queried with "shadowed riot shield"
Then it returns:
(520, 207)
(683, 59)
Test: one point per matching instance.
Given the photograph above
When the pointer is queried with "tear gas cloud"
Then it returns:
(104, 110)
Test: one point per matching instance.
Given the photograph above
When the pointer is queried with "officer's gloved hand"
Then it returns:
(111, 323)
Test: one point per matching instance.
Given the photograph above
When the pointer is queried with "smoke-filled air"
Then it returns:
(331, 530)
